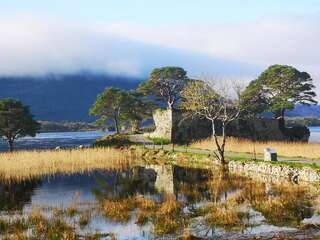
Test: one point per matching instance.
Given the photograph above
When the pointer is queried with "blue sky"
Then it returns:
(164, 11)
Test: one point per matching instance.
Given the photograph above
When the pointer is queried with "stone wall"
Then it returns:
(277, 171)
(180, 128)
(163, 122)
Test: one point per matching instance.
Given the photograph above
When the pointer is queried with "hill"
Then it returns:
(304, 111)
(61, 97)
(69, 97)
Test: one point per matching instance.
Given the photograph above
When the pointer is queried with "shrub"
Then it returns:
(115, 140)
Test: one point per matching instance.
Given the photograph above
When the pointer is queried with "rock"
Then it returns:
(270, 155)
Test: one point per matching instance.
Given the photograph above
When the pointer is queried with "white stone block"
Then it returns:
(270, 155)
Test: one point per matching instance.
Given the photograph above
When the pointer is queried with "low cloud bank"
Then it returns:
(40, 45)
(263, 42)
(36, 45)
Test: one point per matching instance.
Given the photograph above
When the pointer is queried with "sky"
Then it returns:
(165, 11)
(229, 38)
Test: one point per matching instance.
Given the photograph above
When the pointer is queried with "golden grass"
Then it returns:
(227, 216)
(29, 164)
(286, 149)
(286, 206)
(120, 210)
(49, 224)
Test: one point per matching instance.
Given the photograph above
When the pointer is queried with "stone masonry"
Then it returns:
(179, 128)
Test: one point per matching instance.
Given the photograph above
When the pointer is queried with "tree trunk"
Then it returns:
(10, 144)
(116, 124)
(220, 147)
(213, 128)
(223, 144)
(281, 119)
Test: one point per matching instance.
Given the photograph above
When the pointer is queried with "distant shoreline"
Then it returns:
(49, 127)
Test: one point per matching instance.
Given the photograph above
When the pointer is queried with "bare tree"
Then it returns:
(214, 101)
(238, 86)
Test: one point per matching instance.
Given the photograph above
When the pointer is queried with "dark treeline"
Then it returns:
(67, 126)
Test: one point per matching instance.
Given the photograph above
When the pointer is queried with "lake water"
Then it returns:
(180, 199)
(315, 135)
(153, 201)
(54, 139)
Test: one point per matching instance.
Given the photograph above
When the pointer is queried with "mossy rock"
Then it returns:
(114, 140)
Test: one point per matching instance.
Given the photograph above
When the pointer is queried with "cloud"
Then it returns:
(41, 44)
(263, 42)
(292, 40)
(36, 45)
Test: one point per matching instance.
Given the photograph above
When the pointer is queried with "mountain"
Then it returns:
(304, 111)
(68, 97)
(62, 97)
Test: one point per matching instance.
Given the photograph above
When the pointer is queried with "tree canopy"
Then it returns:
(110, 105)
(137, 109)
(165, 83)
(16, 121)
(278, 89)
(122, 107)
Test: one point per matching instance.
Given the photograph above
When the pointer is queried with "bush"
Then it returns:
(114, 140)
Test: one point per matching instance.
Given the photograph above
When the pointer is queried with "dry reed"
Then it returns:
(286, 149)
(23, 165)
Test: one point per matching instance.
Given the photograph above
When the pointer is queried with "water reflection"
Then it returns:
(14, 195)
(166, 200)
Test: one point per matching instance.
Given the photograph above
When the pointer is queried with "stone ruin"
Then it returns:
(175, 126)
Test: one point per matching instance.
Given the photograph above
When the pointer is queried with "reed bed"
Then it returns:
(24, 165)
(285, 149)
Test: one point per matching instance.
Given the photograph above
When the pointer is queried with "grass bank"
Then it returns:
(114, 140)
(28, 164)
(285, 149)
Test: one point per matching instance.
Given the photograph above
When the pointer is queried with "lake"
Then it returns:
(315, 135)
(150, 201)
(162, 201)
(54, 139)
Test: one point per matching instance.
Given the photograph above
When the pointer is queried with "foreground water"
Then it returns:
(155, 201)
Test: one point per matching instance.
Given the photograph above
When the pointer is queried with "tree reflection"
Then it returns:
(201, 200)
(14, 195)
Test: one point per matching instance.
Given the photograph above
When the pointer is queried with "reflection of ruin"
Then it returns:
(14, 195)
(156, 178)
(180, 181)
(164, 178)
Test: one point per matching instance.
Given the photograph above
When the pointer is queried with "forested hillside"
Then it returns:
(61, 97)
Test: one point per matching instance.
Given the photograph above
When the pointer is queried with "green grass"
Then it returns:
(114, 140)
(243, 158)
(160, 141)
